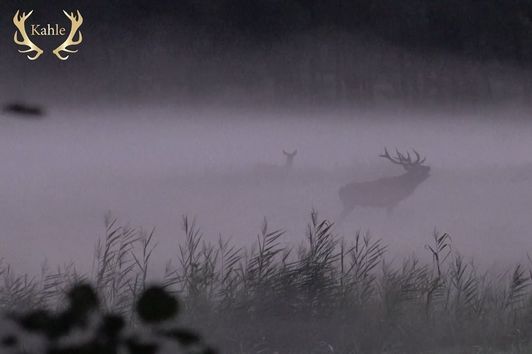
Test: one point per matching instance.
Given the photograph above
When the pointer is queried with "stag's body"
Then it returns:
(385, 192)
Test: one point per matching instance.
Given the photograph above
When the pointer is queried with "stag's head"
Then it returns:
(412, 165)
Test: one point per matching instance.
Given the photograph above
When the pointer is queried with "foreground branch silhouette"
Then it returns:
(104, 333)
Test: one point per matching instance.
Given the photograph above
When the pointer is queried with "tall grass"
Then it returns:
(327, 294)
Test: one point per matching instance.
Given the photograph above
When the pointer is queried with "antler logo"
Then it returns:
(76, 20)
(20, 23)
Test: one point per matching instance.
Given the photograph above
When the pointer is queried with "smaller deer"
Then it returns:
(385, 192)
(289, 158)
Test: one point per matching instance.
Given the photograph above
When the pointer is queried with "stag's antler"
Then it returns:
(403, 160)
(20, 22)
(76, 21)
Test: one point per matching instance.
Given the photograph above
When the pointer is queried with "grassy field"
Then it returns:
(326, 295)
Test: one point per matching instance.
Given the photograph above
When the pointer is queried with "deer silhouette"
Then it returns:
(289, 163)
(271, 171)
(385, 192)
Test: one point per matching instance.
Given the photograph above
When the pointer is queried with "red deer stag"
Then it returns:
(385, 192)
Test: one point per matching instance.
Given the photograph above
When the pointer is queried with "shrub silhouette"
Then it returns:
(156, 305)
(106, 333)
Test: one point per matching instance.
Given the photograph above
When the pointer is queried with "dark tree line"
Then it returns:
(482, 29)
(350, 50)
